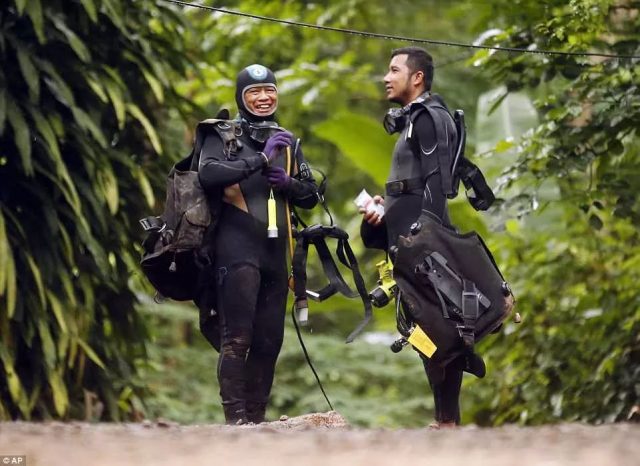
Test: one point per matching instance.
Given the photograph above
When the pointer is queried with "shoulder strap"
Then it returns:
(443, 149)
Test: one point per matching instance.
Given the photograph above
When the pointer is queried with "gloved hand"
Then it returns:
(276, 142)
(277, 177)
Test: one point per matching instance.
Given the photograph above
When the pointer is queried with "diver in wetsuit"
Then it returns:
(250, 268)
(415, 188)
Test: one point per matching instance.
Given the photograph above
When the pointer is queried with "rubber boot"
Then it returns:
(235, 413)
(255, 411)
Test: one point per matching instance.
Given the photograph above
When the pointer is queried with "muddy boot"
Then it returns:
(234, 413)
(255, 411)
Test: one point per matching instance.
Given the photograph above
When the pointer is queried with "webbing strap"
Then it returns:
(470, 311)
(315, 235)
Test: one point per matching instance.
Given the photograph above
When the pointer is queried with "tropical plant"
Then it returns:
(84, 88)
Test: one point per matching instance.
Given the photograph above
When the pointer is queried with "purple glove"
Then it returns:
(276, 142)
(277, 177)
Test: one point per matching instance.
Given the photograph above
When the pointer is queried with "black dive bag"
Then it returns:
(451, 287)
(173, 258)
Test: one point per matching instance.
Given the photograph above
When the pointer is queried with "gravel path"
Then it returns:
(316, 439)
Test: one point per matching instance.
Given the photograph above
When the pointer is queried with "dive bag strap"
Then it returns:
(470, 311)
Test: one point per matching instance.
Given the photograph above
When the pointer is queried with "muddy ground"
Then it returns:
(315, 439)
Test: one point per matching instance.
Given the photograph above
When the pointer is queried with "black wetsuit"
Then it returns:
(414, 156)
(250, 271)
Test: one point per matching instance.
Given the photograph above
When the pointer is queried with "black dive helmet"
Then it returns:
(261, 126)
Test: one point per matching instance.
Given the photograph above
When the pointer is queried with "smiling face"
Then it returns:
(260, 100)
(400, 83)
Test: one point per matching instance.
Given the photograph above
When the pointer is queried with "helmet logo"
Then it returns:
(258, 72)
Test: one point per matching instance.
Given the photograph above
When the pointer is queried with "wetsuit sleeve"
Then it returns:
(302, 192)
(215, 171)
(433, 199)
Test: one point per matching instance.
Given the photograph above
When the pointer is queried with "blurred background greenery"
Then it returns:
(99, 97)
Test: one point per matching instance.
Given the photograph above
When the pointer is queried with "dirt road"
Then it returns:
(317, 440)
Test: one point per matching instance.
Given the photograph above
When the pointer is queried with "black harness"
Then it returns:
(316, 235)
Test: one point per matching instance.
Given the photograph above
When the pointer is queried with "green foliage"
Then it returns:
(573, 260)
(83, 88)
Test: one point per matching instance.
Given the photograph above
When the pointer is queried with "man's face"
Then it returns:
(261, 100)
(398, 81)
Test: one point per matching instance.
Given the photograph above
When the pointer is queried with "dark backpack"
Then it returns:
(173, 257)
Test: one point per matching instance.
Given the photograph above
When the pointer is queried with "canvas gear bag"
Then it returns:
(173, 257)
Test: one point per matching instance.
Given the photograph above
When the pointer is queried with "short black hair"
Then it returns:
(418, 59)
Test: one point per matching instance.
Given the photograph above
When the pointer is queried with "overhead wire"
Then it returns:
(399, 38)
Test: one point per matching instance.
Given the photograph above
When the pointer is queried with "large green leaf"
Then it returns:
(362, 139)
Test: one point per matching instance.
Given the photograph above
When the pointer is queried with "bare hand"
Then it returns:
(372, 217)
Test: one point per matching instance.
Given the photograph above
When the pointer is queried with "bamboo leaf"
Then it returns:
(35, 396)
(96, 87)
(69, 291)
(3, 110)
(56, 307)
(74, 41)
(90, 8)
(145, 186)
(118, 102)
(59, 390)
(56, 84)
(20, 4)
(16, 390)
(91, 354)
(5, 255)
(29, 72)
(109, 184)
(34, 10)
(67, 247)
(37, 278)
(135, 111)
(45, 129)
(48, 348)
(154, 84)
(86, 123)
(21, 135)
(10, 288)
(71, 196)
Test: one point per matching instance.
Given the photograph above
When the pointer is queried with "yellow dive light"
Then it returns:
(272, 229)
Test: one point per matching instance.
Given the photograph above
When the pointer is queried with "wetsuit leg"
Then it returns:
(445, 384)
(237, 303)
(268, 331)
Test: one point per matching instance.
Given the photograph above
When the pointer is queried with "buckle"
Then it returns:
(396, 187)
(152, 224)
